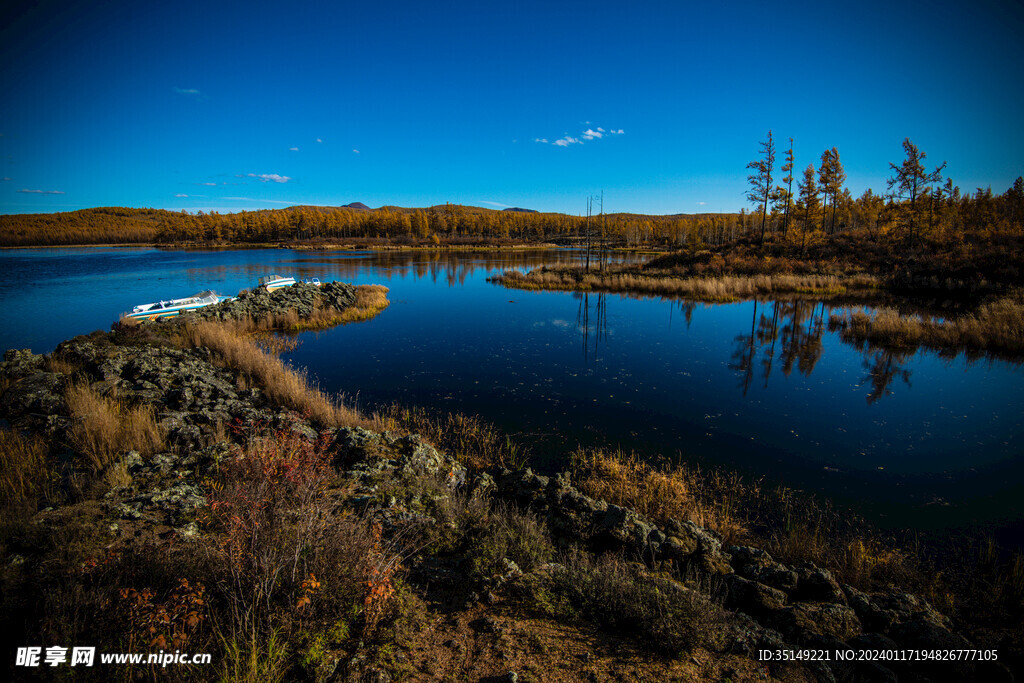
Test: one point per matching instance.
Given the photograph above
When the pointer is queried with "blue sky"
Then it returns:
(206, 106)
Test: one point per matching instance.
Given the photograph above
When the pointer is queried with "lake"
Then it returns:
(910, 440)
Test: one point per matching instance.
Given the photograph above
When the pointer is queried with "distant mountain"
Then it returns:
(516, 208)
(356, 205)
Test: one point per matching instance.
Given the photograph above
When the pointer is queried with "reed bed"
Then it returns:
(996, 327)
(723, 289)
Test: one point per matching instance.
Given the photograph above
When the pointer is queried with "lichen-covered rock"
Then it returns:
(37, 395)
(803, 619)
(20, 362)
(258, 304)
(752, 597)
(817, 585)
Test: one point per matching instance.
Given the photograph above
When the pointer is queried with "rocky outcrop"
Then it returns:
(800, 606)
(258, 304)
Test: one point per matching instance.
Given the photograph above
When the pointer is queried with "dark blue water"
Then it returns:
(765, 388)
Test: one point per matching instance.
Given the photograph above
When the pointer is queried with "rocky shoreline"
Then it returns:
(206, 411)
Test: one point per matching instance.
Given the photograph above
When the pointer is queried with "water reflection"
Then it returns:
(795, 327)
(584, 322)
(884, 367)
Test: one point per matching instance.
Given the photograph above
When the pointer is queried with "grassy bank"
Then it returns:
(723, 289)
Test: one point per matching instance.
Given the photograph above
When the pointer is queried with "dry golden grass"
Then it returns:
(370, 301)
(710, 289)
(104, 427)
(281, 384)
(473, 442)
(25, 472)
(659, 493)
(996, 327)
(58, 364)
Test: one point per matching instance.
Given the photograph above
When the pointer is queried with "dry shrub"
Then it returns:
(25, 472)
(288, 554)
(623, 598)
(280, 383)
(104, 427)
(661, 492)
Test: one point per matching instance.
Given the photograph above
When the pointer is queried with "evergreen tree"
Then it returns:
(787, 192)
(761, 179)
(808, 201)
(909, 181)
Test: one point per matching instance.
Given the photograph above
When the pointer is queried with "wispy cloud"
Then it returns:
(589, 135)
(293, 149)
(210, 184)
(3, 179)
(253, 199)
(504, 206)
(40, 191)
(181, 195)
(355, 151)
(267, 177)
(188, 91)
(319, 140)
(701, 203)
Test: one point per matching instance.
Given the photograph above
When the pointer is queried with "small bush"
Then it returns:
(623, 598)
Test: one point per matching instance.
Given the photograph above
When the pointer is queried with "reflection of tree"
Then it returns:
(801, 336)
(584, 321)
(743, 356)
(884, 367)
(686, 307)
(796, 327)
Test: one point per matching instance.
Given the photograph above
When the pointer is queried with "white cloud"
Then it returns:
(590, 134)
(265, 177)
(181, 195)
(293, 149)
(41, 191)
(2, 179)
(211, 184)
(356, 151)
(484, 201)
(187, 91)
(319, 140)
(701, 203)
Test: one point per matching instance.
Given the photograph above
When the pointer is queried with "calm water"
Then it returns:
(764, 388)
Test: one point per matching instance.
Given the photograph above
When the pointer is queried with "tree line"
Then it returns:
(918, 203)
